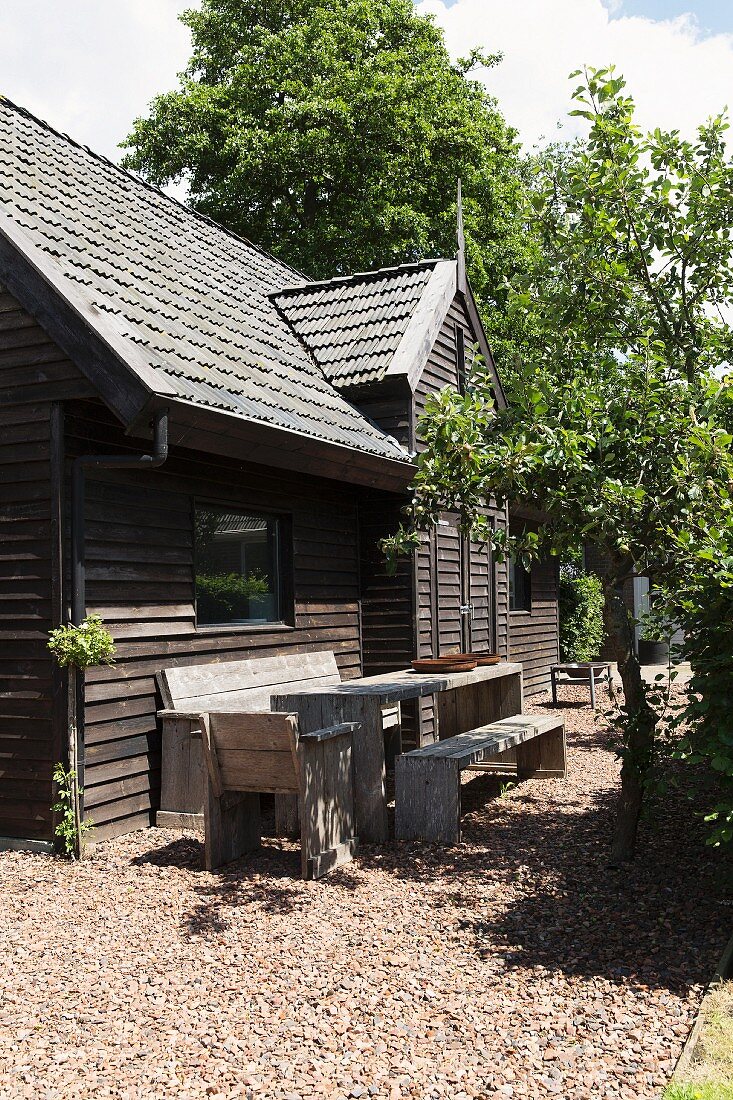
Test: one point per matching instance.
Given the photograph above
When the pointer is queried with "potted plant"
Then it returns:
(654, 638)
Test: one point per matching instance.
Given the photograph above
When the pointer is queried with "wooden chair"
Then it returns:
(251, 754)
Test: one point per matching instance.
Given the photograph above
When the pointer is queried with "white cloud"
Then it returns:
(677, 75)
(89, 67)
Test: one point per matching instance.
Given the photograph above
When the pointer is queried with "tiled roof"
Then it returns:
(190, 297)
(353, 325)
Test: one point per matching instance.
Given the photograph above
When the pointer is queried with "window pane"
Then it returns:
(520, 587)
(237, 567)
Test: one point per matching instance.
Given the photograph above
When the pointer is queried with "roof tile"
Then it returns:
(194, 297)
(353, 325)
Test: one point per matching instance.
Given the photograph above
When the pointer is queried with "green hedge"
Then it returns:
(581, 615)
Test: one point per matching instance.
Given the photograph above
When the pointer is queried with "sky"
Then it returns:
(89, 67)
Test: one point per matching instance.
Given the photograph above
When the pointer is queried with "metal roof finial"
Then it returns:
(461, 254)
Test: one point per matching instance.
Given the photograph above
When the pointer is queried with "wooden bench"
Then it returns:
(428, 780)
(244, 687)
(249, 754)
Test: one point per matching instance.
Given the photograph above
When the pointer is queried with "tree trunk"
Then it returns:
(640, 721)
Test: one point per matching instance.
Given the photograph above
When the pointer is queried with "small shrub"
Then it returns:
(82, 646)
(70, 835)
(76, 647)
(581, 615)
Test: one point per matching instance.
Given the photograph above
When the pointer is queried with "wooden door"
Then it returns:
(449, 584)
(481, 597)
(464, 583)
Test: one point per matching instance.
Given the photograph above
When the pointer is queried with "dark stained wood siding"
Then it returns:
(141, 581)
(390, 406)
(34, 374)
(439, 559)
(388, 599)
(534, 635)
(447, 578)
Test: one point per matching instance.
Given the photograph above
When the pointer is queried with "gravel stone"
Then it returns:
(515, 965)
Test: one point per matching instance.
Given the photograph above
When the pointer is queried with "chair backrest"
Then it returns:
(245, 685)
(251, 752)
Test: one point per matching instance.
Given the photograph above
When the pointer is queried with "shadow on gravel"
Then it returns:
(185, 852)
(269, 878)
(530, 884)
(657, 922)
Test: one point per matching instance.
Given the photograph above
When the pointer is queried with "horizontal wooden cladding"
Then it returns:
(441, 369)
(31, 365)
(141, 580)
(32, 373)
(389, 408)
(534, 635)
(387, 599)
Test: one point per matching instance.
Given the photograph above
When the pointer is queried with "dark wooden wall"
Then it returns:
(441, 557)
(534, 636)
(34, 376)
(140, 580)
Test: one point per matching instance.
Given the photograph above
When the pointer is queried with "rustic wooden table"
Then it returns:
(465, 700)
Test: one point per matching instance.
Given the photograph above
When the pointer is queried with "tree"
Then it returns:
(616, 433)
(332, 133)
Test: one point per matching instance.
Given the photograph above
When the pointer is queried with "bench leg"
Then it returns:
(428, 800)
(543, 757)
(232, 827)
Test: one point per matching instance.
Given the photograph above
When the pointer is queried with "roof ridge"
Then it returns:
(356, 276)
(142, 182)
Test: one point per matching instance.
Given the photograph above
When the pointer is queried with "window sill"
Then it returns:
(242, 628)
(522, 612)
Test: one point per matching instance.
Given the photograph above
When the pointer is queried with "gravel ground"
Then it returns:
(517, 965)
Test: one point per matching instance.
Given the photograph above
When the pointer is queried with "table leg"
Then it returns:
(553, 680)
(370, 772)
(319, 711)
(592, 688)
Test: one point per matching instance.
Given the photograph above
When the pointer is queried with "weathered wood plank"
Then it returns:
(181, 685)
(427, 799)
(428, 780)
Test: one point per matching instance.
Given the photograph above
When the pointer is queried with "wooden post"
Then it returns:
(232, 826)
(428, 799)
(287, 816)
(543, 756)
(328, 803)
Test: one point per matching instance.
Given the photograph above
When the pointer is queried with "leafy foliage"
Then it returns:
(332, 133)
(70, 835)
(705, 725)
(655, 623)
(581, 615)
(635, 232)
(82, 646)
(618, 433)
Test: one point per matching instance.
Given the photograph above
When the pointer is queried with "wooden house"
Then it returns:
(290, 410)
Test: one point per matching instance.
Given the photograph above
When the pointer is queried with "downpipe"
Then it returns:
(78, 578)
